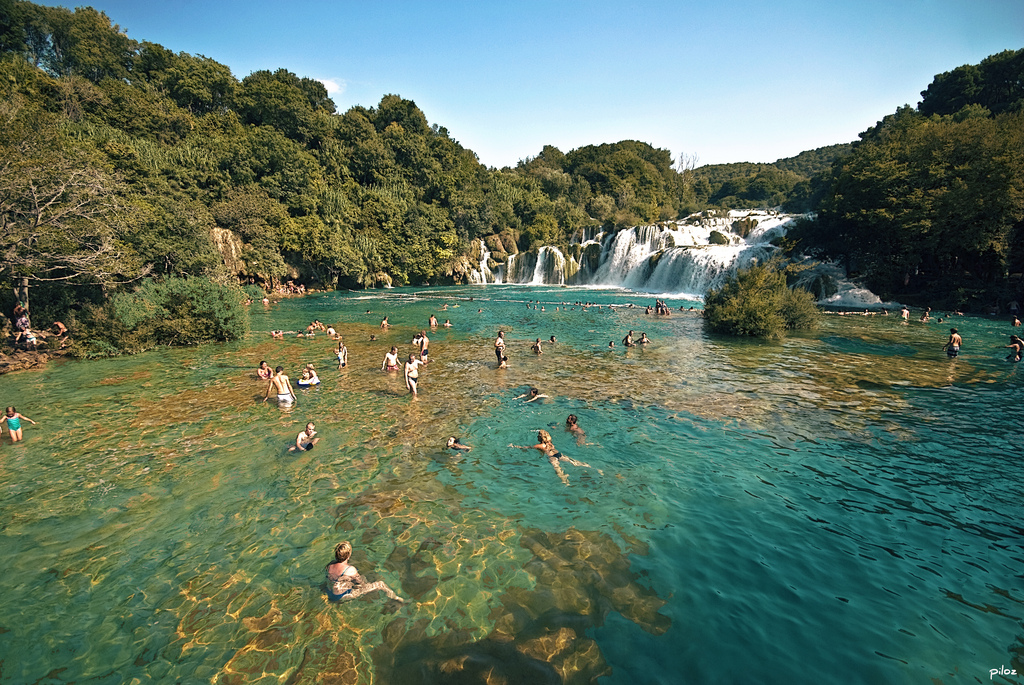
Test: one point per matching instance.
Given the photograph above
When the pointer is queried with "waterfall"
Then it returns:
(548, 266)
(484, 274)
(686, 257)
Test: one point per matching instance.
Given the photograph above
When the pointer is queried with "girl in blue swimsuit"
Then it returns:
(13, 419)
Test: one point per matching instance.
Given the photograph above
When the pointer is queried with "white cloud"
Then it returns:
(333, 87)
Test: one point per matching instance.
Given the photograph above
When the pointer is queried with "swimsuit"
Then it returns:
(341, 586)
(953, 350)
(13, 423)
(285, 398)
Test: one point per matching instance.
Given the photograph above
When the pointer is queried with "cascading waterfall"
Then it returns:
(548, 266)
(680, 258)
(484, 274)
(684, 257)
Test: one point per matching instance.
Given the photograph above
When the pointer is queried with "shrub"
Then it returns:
(756, 302)
(254, 292)
(174, 311)
(718, 238)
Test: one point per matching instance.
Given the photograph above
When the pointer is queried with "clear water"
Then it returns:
(835, 507)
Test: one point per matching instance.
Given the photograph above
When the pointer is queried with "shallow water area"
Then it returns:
(839, 502)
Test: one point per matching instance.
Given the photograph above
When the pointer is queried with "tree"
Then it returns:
(756, 302)
(60, 215)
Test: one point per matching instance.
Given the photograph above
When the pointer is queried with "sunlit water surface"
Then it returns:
(840, 506)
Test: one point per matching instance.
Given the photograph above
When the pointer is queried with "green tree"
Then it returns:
(756, 302)
(60, 215)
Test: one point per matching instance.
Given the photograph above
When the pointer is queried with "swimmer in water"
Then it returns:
(14, 419)
(499, 346)
(342, 353)
(643, 339)
(390, 362)
(454, 444)
(412, 373)
(305, 440)
(628, 340)
(533, 394)
(503, 364)
(545, 446)
(1016, 349)
(573, 427)
(264, 372)
(384, 324)
(344, 581)
(536, 347)
(952, 347)
(280, 382)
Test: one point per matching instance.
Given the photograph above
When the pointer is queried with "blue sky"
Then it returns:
(726, 81)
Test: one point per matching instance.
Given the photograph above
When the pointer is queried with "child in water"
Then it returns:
(344, 581)
(14, 419)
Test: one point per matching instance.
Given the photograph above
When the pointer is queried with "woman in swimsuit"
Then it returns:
(344, 581)
(412, 373)
(574, 428)
(264, 373)
(14, 419)
(390, 362)
(546, 447)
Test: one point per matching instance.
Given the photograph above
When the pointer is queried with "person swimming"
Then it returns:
(573, 427)
(547, 448)
(344, 581)
(454, 444)
(531, 395)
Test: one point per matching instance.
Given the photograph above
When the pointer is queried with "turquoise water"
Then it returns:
(839, 506)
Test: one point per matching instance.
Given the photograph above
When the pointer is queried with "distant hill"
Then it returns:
(748, 185)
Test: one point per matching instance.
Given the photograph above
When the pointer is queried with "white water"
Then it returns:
(673, 258)
(484, 274)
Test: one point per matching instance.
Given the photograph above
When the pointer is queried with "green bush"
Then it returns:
(173, 311)
(254, 292)
(718, 238)
(756, 302)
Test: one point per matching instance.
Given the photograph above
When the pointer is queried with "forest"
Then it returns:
(135, 181)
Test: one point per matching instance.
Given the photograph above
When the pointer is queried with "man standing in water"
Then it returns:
(424, 345)
(499, 346)
(628, 340)
(952, 347)
(282, 384)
